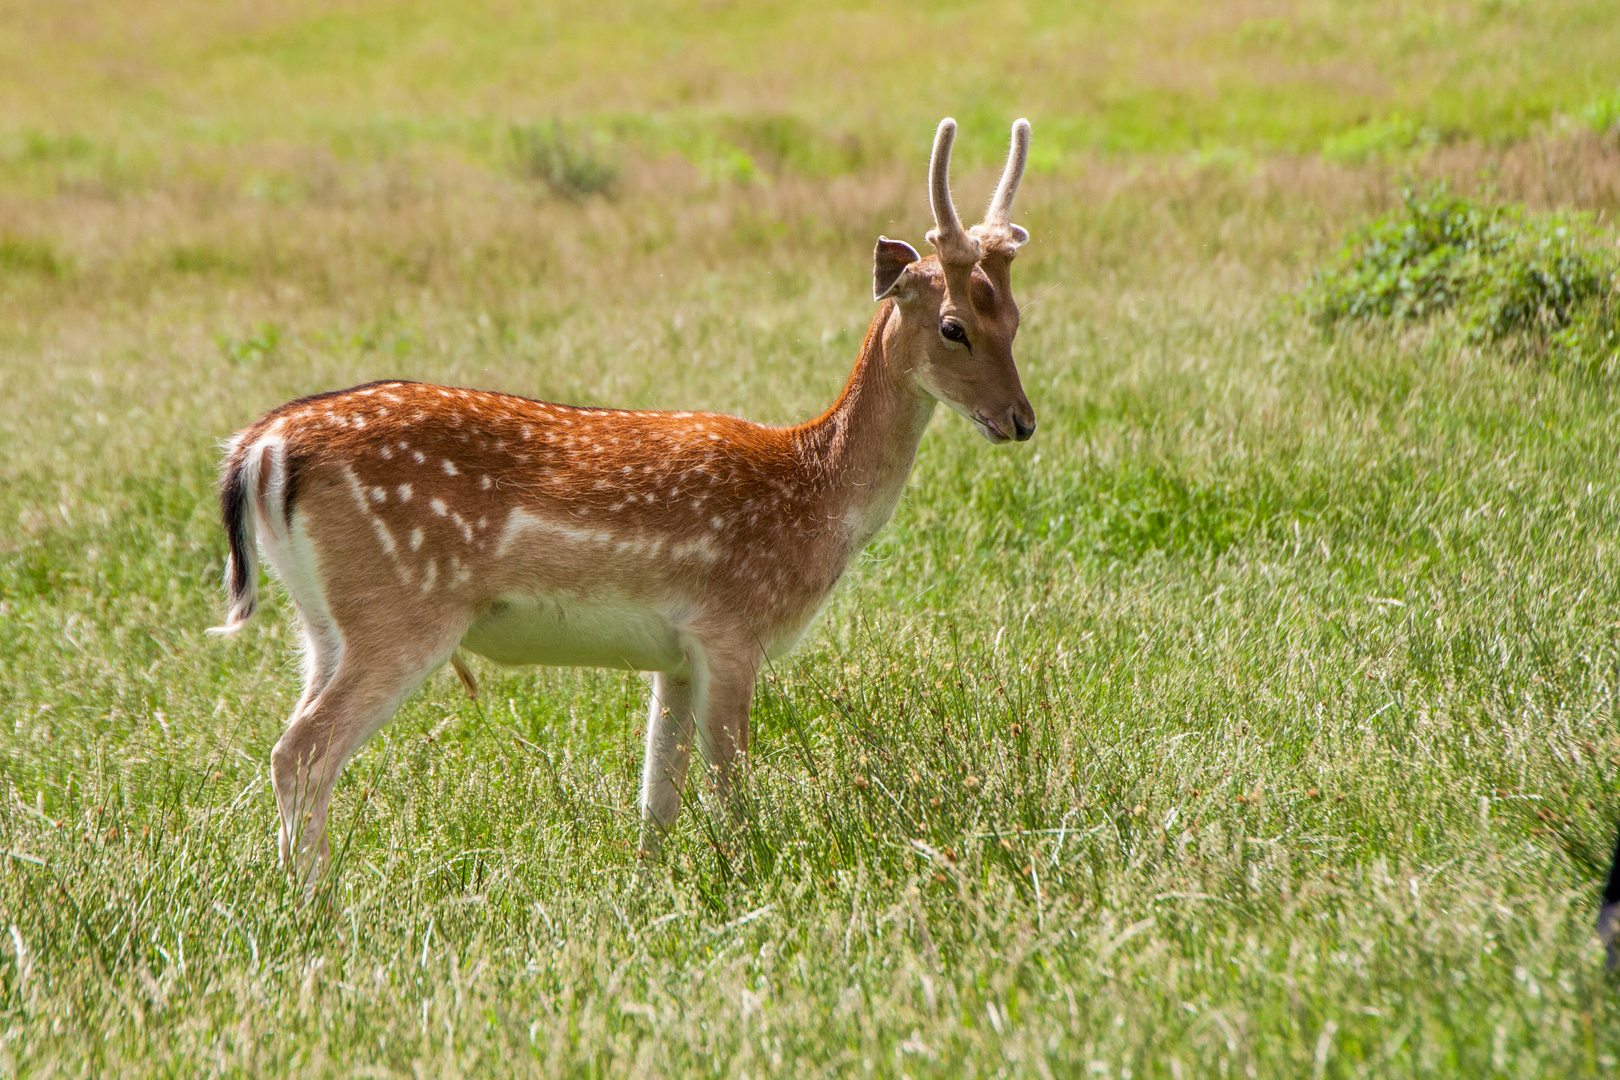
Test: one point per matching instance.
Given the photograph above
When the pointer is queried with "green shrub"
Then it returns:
(1541, 279)
(573, 164)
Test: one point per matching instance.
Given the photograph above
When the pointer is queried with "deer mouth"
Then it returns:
(990, 429)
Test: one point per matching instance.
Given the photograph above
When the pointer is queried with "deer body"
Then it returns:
(408, 521)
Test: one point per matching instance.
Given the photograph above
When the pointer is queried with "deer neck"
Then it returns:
(861, 450)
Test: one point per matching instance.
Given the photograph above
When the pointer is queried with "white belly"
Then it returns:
(575, 633)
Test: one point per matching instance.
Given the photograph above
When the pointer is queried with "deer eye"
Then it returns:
(951, 330)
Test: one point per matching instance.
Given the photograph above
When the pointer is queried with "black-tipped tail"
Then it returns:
(242, 567)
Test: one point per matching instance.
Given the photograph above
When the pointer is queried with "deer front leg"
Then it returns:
(722, 716)
(670, 731)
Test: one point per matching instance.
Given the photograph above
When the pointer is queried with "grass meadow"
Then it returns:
(1260, 718)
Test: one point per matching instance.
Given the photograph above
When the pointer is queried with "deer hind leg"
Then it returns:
(291, 553)
(323, 648)
(670, 731)
(366, 688)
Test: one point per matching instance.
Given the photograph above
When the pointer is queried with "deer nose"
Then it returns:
(1023, 418)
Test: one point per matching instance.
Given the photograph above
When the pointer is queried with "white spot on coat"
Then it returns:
(520, 522)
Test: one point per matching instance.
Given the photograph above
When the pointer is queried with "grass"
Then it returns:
(1257, 719)
(122, 95)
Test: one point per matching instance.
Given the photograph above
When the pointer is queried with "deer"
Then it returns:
(411, 523)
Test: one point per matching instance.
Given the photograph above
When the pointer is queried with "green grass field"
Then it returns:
(1257, 719)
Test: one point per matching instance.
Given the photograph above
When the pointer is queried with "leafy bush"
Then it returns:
(573, 164)
(1504, 272)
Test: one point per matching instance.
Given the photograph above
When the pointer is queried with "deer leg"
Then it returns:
(304, 766)
(323, 648)
(669, 752)
(726, 689)
(1608, 924)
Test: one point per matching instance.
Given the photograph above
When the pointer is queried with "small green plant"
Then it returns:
(786, 143)
(1378, 139)
(257, 346)
(37, 256)
(201, 259)
(1502, 271)
(1602, 114)
(574, 164)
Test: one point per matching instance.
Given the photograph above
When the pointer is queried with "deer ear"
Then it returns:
(889, 261)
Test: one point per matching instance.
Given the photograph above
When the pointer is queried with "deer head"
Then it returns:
(957, 317)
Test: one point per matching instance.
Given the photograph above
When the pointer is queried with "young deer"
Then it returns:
(407, 521)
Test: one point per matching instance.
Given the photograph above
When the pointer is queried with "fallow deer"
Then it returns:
(409, 521)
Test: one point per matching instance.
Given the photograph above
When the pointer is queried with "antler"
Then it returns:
(997, 225)
(953, 244)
